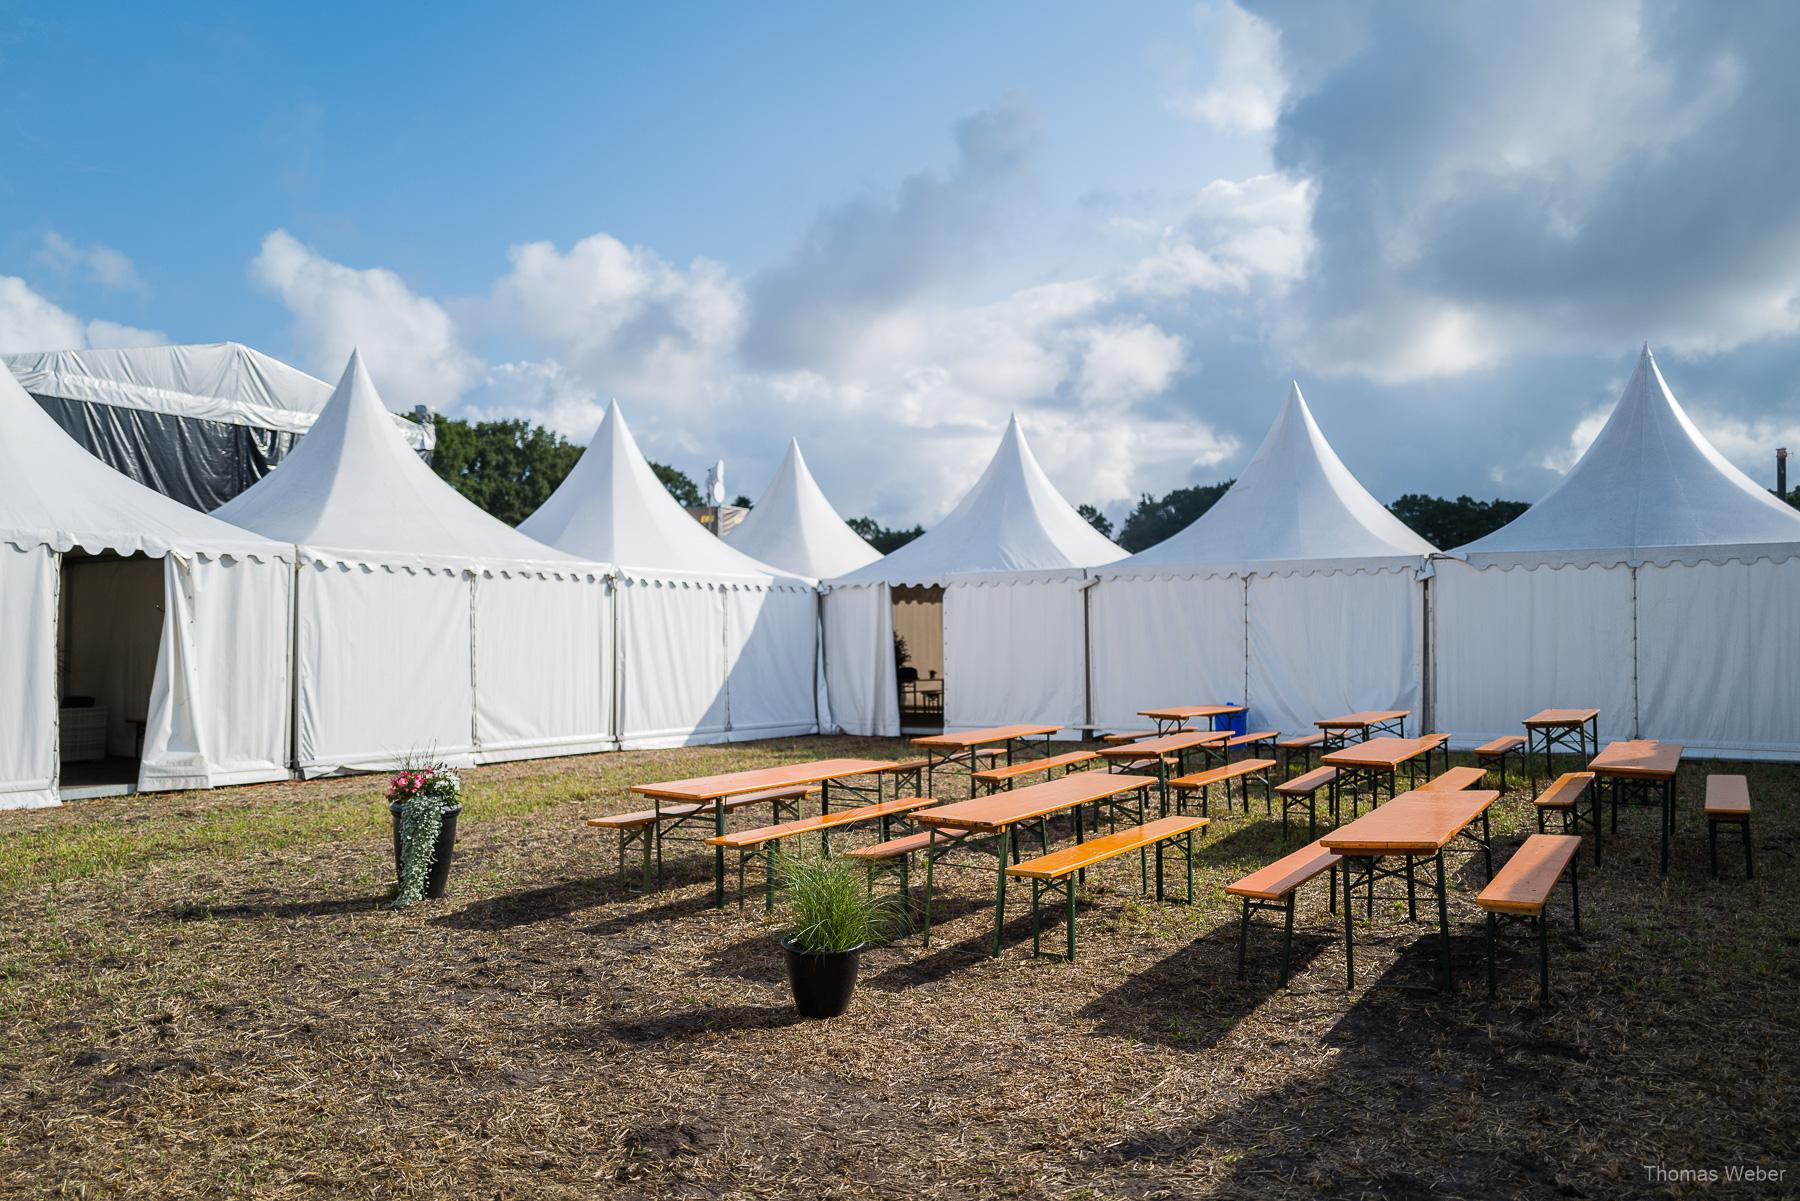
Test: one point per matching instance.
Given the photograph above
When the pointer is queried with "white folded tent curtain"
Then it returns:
(712, 645)
(197, 423)
(425, 627)
(794, 528)
(180, 614)
(1297, 594)
(1011, 559)
(1656, 582)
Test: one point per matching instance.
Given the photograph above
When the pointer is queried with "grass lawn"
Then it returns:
(204, 994)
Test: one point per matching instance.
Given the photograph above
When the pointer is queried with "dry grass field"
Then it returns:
(205, 995)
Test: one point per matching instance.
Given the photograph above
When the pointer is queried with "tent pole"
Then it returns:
(294, 671)
(1427, 669)
(1087, 653)
(819, 669)
(618, 664)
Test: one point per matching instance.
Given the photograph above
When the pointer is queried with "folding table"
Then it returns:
(1366, 721)
(959, 748)
(1642, 766)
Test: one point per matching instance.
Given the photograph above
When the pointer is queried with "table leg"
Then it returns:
(1668, 820)
(719, 854)
(1443, 923)
(1349, 941)
(930, 880)
(824, 809)
(1000, 888)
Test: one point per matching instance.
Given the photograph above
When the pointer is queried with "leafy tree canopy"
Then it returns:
(511, 467)
(1155, 519)
(1097, 519)
(880, 537)
(1451, 523)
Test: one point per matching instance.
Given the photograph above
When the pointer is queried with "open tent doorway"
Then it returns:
(919, 657)
(109, 630)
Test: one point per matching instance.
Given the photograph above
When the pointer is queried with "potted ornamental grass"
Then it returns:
(424, 799)
(834, 916)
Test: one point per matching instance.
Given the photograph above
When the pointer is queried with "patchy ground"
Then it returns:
(203, 994)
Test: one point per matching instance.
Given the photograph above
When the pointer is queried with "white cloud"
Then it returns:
(113, 336)
(1234, 234)
(102, 265)
(409, 341)
(1561, 458)
(1128, 360)
(30, 322)
(1247, 84)
(1750, 441)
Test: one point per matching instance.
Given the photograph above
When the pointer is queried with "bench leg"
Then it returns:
(1412, 904)
(1006, 842)
(1333, 874)
(1575, 890)
(930, 868)
(1493, 981)
(1349, 942)
(1243, 937)
(1037, 888)
(1595, 789)
(1189, 856)
(1287, 937)
(1159, 871)
(905, 895)
(1069, 888)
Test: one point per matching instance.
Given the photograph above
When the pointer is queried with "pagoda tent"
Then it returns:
(425, 628)
(197, 423)
(1010, 563)
(1656, 582)
(163, 631)
(794, 528)
(1296, 594)
(712, 645)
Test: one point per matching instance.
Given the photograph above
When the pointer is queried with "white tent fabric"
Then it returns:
(696, 663)
(1296, 594)
(1655, 582)
(390, 626)
(793, 527)
(218, 381)
(1008, 656)
(222, 656)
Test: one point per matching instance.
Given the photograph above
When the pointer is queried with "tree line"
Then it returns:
(511, 467)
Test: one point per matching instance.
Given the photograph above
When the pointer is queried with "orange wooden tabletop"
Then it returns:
(1028, 804)
(1367, 717)
(967, 738)
(1180, 741)
(1189, 712)
(707, 788)
(1561, 717)
(1413, 823)
(1643, 758)
(1379, 752)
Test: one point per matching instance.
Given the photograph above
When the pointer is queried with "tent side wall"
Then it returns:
(1165, 640)
(1014, 651)
(772, 648)
(28, 600)
(671, 663)
(859, 660)
(543, 665)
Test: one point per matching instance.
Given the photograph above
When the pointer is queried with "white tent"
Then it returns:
(1656, 582)
(1011, 559)
(173, 622)
(197, 423)
(712, 644)
(1296, 594)
(424, 626)
(794, 528)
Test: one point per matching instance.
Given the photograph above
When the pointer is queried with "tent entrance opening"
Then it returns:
(919, 657)
(109, 629)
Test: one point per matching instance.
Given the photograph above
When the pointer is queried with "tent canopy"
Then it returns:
(353, 486)
(218, 381)
(612, 508)
(1012, 520)
(1294, 501)
(794, 527)
(54, 493)
(1650, 479)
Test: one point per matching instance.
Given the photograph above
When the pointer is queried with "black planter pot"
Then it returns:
(822, 982)
(439, 879)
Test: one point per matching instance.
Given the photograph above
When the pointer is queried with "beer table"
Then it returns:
(1417, 826)
(1367, 763)
(1367, 722)
(1177, 717)
(1643, 766)
(712, 791)
(1570, 729)
(960, 748)
(1178, 744)
(986, 824)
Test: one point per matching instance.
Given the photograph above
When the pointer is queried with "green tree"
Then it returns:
(743, 502)
(1096, 518)
(509, 468)
(880, 537)
(685, 491)
(1155, 519)
(1451, 523)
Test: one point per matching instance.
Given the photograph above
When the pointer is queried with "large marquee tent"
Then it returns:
(1296, 594)
(794, 528)
(1011, 559)
(423, 626)
(712, 645)
(196, 423)
(1656, 582)
(168, 620)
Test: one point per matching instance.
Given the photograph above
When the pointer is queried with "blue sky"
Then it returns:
(883, 230)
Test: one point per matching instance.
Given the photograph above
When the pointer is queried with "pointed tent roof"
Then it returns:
(352, 486)
(1295, 500)
(613, 508)
(1650, 479)
(54, 493)
(795, 528)
(1013, 519)
(218, 381)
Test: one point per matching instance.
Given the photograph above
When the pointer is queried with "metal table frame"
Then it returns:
(1546, 736)
(964, 757)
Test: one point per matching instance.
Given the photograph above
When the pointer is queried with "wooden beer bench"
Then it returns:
(1203, 781)
(994, 777)
(1728, 803)
(1059, 870)
(765, 842)
(1304, 790)
(1521, 891)
(1273, 887)
(640, 828)
(1455, 779)
(1564, 799)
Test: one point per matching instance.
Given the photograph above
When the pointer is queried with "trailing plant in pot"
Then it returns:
(424, 799)
(834, 917)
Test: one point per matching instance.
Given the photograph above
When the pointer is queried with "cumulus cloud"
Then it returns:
(409, 341)
(102, 265)
(31, 322)
(1247, 85)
